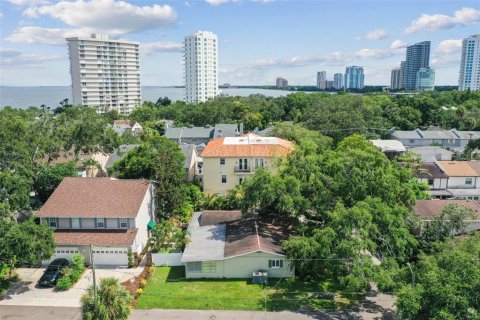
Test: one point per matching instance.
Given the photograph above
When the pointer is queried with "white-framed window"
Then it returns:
(222, 161)
(430, 182)
(469, 181)
(100, 222)
(243, 164)
(194, 266)
(451, 141)
(123, 223)
(224, 178)
(209, 267)
(275, 264)
(259, 163)
(52, 222)
(75, 223)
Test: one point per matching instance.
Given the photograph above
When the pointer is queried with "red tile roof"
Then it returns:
(96, 197)
(248, 145)
(95, 237)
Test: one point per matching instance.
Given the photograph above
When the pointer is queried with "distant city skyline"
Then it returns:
(252, 50)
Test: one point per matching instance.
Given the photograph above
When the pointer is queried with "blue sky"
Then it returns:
(258, 40)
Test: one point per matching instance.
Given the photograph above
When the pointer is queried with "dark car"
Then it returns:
(53, 273)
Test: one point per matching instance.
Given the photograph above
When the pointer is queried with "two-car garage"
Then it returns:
(108, 256)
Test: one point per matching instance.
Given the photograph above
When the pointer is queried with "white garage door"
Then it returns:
(110, 256)
(62, 252)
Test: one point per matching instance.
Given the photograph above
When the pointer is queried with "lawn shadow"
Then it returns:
(176, 274)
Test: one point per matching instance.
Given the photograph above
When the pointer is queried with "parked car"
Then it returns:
(53, 273)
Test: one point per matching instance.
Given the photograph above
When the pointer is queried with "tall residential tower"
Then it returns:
(396, 79)
(470, 64)
(201, 66)
(354, 78)
(418, 56)
(338, 81)
(321, 80)
(105, 73)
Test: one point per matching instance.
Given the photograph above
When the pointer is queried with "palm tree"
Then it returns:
(113, 302)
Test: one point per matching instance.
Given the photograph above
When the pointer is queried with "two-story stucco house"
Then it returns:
(122, 126)
(451, 179)
(229, 161)
(224, 244)
(112, 215)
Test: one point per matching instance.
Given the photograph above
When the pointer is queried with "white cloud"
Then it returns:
(11, 58)
(449, 46)
(109, 16)
(375, 53)
(434, 22)
(376, 34)
(148, 48)
(28, 2)
(398, 44)
(51, 36)
(439, 62)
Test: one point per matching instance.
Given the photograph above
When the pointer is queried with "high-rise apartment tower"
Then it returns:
(470, 64)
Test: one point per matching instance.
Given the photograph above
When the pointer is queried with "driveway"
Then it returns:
(25, 292)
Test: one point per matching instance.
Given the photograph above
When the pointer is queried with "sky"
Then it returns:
(259, 40)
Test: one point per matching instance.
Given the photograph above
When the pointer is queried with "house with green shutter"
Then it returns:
(224, 244)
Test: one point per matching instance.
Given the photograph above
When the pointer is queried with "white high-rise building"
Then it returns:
(338, 81)
(105, 73)
(201, 66)
(321, 80)
(470, 64)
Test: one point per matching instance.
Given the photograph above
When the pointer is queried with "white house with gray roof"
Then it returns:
(453, 139)
(223, 244)
(199, 135)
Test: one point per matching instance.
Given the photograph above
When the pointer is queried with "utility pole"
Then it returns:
(93, 275)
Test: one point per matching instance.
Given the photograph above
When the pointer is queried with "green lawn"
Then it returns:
(167, 289)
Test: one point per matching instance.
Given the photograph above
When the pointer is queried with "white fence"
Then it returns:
(167, 259)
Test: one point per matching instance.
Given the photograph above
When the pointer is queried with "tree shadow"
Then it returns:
(18, 288)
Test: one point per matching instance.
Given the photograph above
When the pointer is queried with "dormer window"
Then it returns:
(123, 222)
(52, 222)
(100, 223)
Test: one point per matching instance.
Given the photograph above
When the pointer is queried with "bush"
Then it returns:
(139, 292)
(131, 263)
(65, 282)
(72, 274)
(143, 283)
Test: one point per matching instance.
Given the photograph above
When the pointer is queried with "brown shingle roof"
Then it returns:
(249, 145)
(210, 217)
(249, 235)
(458, 168)
(96, 197)
(430, 171)
(95, 237)
(426, 209)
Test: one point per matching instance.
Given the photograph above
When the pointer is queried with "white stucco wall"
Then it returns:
(244, 266)
(459, 182)
(145, 214)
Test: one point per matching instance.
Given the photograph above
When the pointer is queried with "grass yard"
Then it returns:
(168, 289)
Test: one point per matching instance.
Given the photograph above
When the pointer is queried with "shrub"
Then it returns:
(143, 283)
(130, 259)
(72, 274)
(139, 292)
(65, 281)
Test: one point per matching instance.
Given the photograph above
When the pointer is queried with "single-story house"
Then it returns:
(112, 216)
(122, 126)
(391, 148)
(427, 209)
(224, 244)
(69, 156)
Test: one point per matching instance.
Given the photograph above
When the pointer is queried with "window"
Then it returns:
(52, 222)
(259, 163)
(451, 141)
(194, 266)
(430, 182)
(222, 161)
(275, 264)
(243, 164)
(75, 223)
(468, 181)
(224, 178)
(123, 223)
(100, 223)
(240, 180)
(209, 267)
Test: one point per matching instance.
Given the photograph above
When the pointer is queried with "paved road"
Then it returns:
(63, 313)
